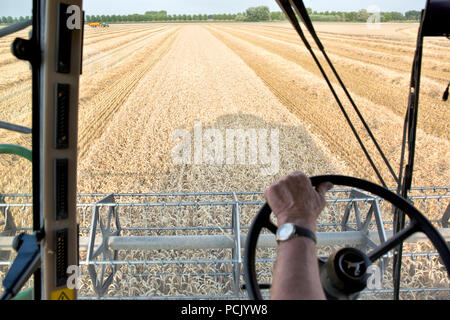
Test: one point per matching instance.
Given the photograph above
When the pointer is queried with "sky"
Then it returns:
(18, 8)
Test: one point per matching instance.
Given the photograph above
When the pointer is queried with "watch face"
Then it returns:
(285, 232)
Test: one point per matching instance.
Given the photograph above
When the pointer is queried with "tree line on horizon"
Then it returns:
(254, 14)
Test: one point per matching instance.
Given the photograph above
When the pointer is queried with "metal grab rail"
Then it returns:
(148, 243)
(351, 238)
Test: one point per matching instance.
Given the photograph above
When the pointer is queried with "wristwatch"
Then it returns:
(289, 231)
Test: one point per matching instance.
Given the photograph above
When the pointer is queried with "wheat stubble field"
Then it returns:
(141, 83)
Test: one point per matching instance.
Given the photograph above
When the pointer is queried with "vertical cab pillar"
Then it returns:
(62, 35)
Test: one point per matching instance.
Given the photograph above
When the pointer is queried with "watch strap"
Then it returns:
(303, 232)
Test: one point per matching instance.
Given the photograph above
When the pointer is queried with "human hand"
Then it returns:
(294, 200)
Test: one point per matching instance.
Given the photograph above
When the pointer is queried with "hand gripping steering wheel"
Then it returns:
(339, 281)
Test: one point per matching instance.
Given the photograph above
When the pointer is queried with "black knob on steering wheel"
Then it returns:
(418, 224)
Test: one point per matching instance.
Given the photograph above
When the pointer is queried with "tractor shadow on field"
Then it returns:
(242, 152)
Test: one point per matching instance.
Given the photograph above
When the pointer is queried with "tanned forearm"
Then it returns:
(294, 200)
(297, 272)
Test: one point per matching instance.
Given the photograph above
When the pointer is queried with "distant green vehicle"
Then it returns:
(105, 25)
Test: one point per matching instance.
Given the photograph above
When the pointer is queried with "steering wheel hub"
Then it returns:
(345, 273)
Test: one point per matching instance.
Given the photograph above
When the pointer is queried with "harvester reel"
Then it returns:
(339, 283)
(101, 279)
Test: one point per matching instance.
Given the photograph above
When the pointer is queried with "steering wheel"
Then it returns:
(339, 281)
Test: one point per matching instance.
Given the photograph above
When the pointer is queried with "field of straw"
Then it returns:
(143, 83)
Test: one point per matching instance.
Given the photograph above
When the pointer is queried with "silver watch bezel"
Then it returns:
(288, 236)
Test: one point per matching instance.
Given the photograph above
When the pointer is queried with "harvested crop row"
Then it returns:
(121, 40)
(307, 95)
(98, 75)
(394, 33)
(378, 84)
(434, 49)
(334, 45)
(433, 67)
(216, 87)
(16, 81)
(105, 42)
(392, 44)
(91, 37)
(106, 57)
(95, 119)
(95, 35)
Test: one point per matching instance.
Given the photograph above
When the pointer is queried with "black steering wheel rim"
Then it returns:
(419, 224)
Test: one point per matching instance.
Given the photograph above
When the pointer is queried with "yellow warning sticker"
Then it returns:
(64, 294)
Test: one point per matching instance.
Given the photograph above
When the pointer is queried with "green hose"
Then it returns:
(16, 150)
(27, 154)
(26, 295)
